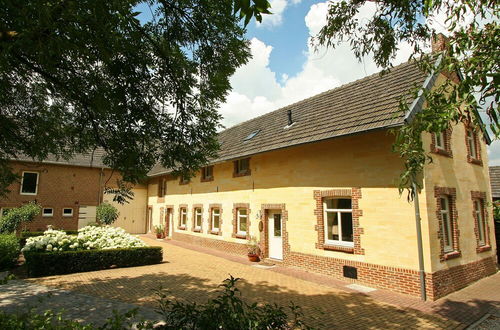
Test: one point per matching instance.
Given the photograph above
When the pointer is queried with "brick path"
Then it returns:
(194, 276)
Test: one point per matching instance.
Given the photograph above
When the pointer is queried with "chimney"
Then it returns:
(289, 114)
(439, 42)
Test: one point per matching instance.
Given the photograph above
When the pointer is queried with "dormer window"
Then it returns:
(241, 167)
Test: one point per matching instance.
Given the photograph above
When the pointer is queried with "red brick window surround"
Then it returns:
(473, 146)
(337, 220)
(214, 217)
(197, 223)
(241, 167)
(446, 213)
(207, 174)
(441, 143)
(182, 217)
(241, 220)
(480, 216)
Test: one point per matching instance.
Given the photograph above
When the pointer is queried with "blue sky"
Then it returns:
(285, 68)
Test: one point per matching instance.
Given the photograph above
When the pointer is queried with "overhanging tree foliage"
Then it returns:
(473, 51)
(86, 74)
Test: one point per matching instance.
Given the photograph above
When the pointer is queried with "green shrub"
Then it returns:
(9, 250)
(106, 213)
(227, 311)
(17, 216)
(65, 262)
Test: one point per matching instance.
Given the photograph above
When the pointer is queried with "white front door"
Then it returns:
(275, 235)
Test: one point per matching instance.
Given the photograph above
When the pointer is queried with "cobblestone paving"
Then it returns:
(19, 296)
(195, 276)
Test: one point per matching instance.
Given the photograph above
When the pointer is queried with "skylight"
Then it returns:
(251, 135)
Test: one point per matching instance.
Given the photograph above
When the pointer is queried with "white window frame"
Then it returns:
(326, 210)
(65, 214)
(22, 182)
(239, 217)
(471, 140)
(446, 215)
(440, 137)
(481, 226)
(183, 219)
(214, 210)
(48, 215)
(197, 212)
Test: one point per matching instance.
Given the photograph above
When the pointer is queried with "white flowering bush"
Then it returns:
(107, 237)
(89, 237)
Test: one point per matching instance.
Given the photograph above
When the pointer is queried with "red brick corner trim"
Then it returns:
(193, 219)
(237, 206)
(470, 159)
(179, 226)
(447, 151)
(264, 233)
(355, 194)
(451, 193)
(481, 197)
(211, 207)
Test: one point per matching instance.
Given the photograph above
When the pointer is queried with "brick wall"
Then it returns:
(59, 186)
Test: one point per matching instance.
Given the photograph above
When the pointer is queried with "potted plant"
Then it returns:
(253, 250)
(159, 230)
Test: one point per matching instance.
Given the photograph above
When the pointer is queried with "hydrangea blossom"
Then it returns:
(90, 237)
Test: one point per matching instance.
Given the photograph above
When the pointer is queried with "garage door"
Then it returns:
(132, 216)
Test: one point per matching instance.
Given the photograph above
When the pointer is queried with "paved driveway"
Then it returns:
(194, 276)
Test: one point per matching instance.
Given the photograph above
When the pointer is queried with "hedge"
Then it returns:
(27, 234)
(65, 262)
(9, 251)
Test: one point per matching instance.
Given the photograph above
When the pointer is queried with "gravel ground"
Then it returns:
(490, 322)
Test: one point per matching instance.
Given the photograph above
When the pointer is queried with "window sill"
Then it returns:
(241, 236)
(346, 249)
(181, 227)
(483, 248)
(474, 161)
(452, 255)
(207, 179)
(442, 152)
(215, 232)
(28, 194)
(197, 230)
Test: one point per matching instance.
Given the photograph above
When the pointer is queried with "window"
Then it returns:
(440, 138)
(162, 187)
(242, 222)
(197, 219)
(446, 223)
(338, 222)
(479, 217)
(207, 173)
(251, 135)
(29, 183)
(471, 143)
(184, 180)
(242, 167)
(183, 218)
(48, 212)
(67, 212)
(215, 219)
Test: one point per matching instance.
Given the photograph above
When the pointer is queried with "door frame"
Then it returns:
(264, 233)
(169, 221)
(149, 219)
(270, 232)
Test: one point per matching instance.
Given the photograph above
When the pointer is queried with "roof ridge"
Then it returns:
(411, 61)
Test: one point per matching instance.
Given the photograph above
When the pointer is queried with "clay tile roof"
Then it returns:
(366, 104)
(88, 160)
(495, 181)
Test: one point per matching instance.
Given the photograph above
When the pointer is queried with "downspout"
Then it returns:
(421, 268)
(99, 198)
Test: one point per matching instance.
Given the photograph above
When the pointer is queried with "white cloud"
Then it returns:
(494, 153)
(277, 9)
